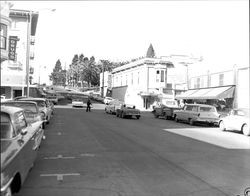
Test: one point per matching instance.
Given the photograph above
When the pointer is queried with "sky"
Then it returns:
(121, 30)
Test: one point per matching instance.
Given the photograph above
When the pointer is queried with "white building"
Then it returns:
(14, 68)
(144, 82)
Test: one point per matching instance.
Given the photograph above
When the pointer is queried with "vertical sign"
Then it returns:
(12, 47)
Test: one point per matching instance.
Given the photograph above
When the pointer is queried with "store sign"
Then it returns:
(12, 47)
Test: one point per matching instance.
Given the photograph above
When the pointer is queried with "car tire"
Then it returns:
(43, 125)
(138, 117)
(117, 114)
(191, 121)
(156, 116)
(245, 130)
(222, 126)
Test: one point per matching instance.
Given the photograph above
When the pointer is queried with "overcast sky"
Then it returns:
(122, 30)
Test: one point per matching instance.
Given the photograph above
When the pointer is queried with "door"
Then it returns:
(17, 93)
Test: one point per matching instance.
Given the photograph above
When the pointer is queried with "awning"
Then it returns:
(208, 93)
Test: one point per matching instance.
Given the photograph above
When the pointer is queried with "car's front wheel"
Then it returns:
(137, 117)
(191, 121)
(222, 126)
(246, 130)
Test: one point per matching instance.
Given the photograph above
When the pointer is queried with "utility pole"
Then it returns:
(29, 18)
(102, 79)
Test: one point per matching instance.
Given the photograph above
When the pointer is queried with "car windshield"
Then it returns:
(6, 128)
(77, 100)
(40, 103)
(207, 109)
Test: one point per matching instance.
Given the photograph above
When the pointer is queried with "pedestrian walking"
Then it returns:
(88, 105)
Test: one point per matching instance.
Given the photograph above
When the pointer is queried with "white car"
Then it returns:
(107, 100)
(77, 103)
(237, 120)
(112, 106)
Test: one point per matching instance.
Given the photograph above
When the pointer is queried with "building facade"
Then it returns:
(144, 82)
(229, 86)
(20, 52)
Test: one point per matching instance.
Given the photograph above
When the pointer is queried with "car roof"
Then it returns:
(31, 102)
(197, 104)
(34, 98)
(10, 109)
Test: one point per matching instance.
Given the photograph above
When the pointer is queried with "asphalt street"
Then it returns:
(98, 154)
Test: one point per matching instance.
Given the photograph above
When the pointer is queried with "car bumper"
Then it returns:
(206, 120)
(77, 105)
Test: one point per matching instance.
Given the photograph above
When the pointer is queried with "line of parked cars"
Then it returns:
(236, 120)
(23, 121)
(122, 110)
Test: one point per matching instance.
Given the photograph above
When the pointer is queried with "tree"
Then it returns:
(58, 76)
(150, 52)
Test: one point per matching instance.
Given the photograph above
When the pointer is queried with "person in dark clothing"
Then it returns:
(88, 105)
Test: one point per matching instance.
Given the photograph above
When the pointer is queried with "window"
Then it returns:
(207, 109)
(221, 79)
(198, 83)
(162, 76)
(3, 29)
(157, 76)
(6, 126)
(20, 122)
(189, 108)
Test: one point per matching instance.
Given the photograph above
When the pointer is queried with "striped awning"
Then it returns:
(208, 93)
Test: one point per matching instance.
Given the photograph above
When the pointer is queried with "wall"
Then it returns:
(243, 88)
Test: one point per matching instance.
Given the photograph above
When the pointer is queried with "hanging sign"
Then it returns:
(12, 47)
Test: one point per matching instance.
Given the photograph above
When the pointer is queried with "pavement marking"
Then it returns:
(59, 177)
(87, 155)
(59, 157)
(214, 136)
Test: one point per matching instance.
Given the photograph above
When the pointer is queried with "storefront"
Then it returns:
(221, 97)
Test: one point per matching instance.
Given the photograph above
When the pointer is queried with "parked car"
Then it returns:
(128, 110)
(237, 120)
(77, 102)
(193, 113)
(44, 108)
(52, 98)
(112, 106)
(19, 145)
(165, 111)
(107, 99)
(31, 109)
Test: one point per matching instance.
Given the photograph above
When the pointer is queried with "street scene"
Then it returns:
(125, 98)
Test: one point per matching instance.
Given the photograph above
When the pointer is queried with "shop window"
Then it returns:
(3, 30)
(221, 79)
